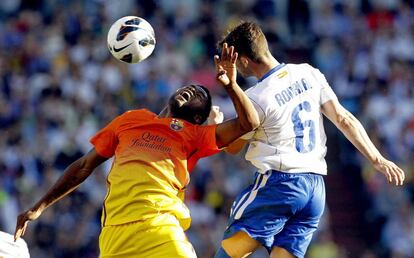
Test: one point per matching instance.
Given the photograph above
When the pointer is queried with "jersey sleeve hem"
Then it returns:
(104, 152)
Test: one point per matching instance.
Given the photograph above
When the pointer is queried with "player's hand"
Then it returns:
(22, 221)
(391, 171)
(215, 116)
(226, 65)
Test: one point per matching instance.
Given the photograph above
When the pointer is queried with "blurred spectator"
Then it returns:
(398, 233)
(59, 85)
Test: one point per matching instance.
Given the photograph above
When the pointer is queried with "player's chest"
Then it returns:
(155, 142)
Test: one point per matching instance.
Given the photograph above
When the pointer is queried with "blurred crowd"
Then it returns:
(59, 85)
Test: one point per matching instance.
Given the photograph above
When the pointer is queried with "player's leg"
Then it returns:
(161, 236)
(255, 217)
(166, 238)
(238, 245)
(175, 248)
(279, 252)
(295, 237)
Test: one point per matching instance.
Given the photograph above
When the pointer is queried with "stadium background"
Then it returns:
(59, 85)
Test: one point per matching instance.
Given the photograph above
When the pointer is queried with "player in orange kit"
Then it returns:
(143, 213)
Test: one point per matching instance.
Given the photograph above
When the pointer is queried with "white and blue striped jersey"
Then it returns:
(291, 137)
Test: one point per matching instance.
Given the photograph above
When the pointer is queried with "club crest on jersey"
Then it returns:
(176, 125)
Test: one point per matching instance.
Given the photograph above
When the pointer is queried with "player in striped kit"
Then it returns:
(282, 207)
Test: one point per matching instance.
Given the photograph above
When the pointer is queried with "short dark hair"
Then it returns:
(199, 107)
(248, 40)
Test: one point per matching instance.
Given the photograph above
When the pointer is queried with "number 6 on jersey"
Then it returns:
(299, 127)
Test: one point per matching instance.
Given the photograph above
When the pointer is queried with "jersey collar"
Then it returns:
(272, 71)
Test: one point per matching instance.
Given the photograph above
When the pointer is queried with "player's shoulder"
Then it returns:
(195, 129)
(135, 115)
(305, 70)
(10, 248)
(261, 97)
(255, 92)
(138, 113)
(300, 66)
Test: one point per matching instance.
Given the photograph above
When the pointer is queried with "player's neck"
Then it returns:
(265, 67)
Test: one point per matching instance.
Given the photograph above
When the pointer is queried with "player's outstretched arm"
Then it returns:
(217, 117)
(236, 146)
(247, 117)
(356, 134)
(73, 176)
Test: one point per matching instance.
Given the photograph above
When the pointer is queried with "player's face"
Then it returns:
(187, 103)
(187, 94)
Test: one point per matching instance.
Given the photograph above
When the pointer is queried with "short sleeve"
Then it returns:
(259, 109)
(326, 91)
(105, 141)
(248, 135)
(260, 112)
(206, 145)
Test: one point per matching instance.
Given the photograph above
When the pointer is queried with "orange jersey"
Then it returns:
(153, 157)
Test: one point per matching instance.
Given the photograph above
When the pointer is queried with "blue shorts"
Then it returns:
(279, 209)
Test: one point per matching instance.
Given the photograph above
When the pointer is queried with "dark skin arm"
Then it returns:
(236, 146)
(247, 118)
(72, 177)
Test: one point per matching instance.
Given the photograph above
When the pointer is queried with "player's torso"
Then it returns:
(157, 147)
(291, 137)
(149, 171)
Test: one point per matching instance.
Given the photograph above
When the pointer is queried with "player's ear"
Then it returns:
(244, 61)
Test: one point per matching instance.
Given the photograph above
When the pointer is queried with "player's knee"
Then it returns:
(280, 252)
(237, 248)
(231, 251)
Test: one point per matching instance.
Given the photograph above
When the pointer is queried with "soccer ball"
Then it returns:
(131, 39)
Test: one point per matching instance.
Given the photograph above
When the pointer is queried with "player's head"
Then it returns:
(250, 43)
(191, 103)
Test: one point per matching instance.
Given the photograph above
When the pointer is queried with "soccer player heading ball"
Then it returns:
(282, 207)
(144, 214)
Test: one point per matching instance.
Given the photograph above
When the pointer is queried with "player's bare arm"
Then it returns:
(356, 134)
(236, 146)
(73, 176)
(247, 119)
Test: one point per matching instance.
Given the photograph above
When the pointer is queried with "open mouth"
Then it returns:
(183, 98)
(186, 95)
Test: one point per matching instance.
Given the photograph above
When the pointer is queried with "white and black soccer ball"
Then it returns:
(131, 39)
